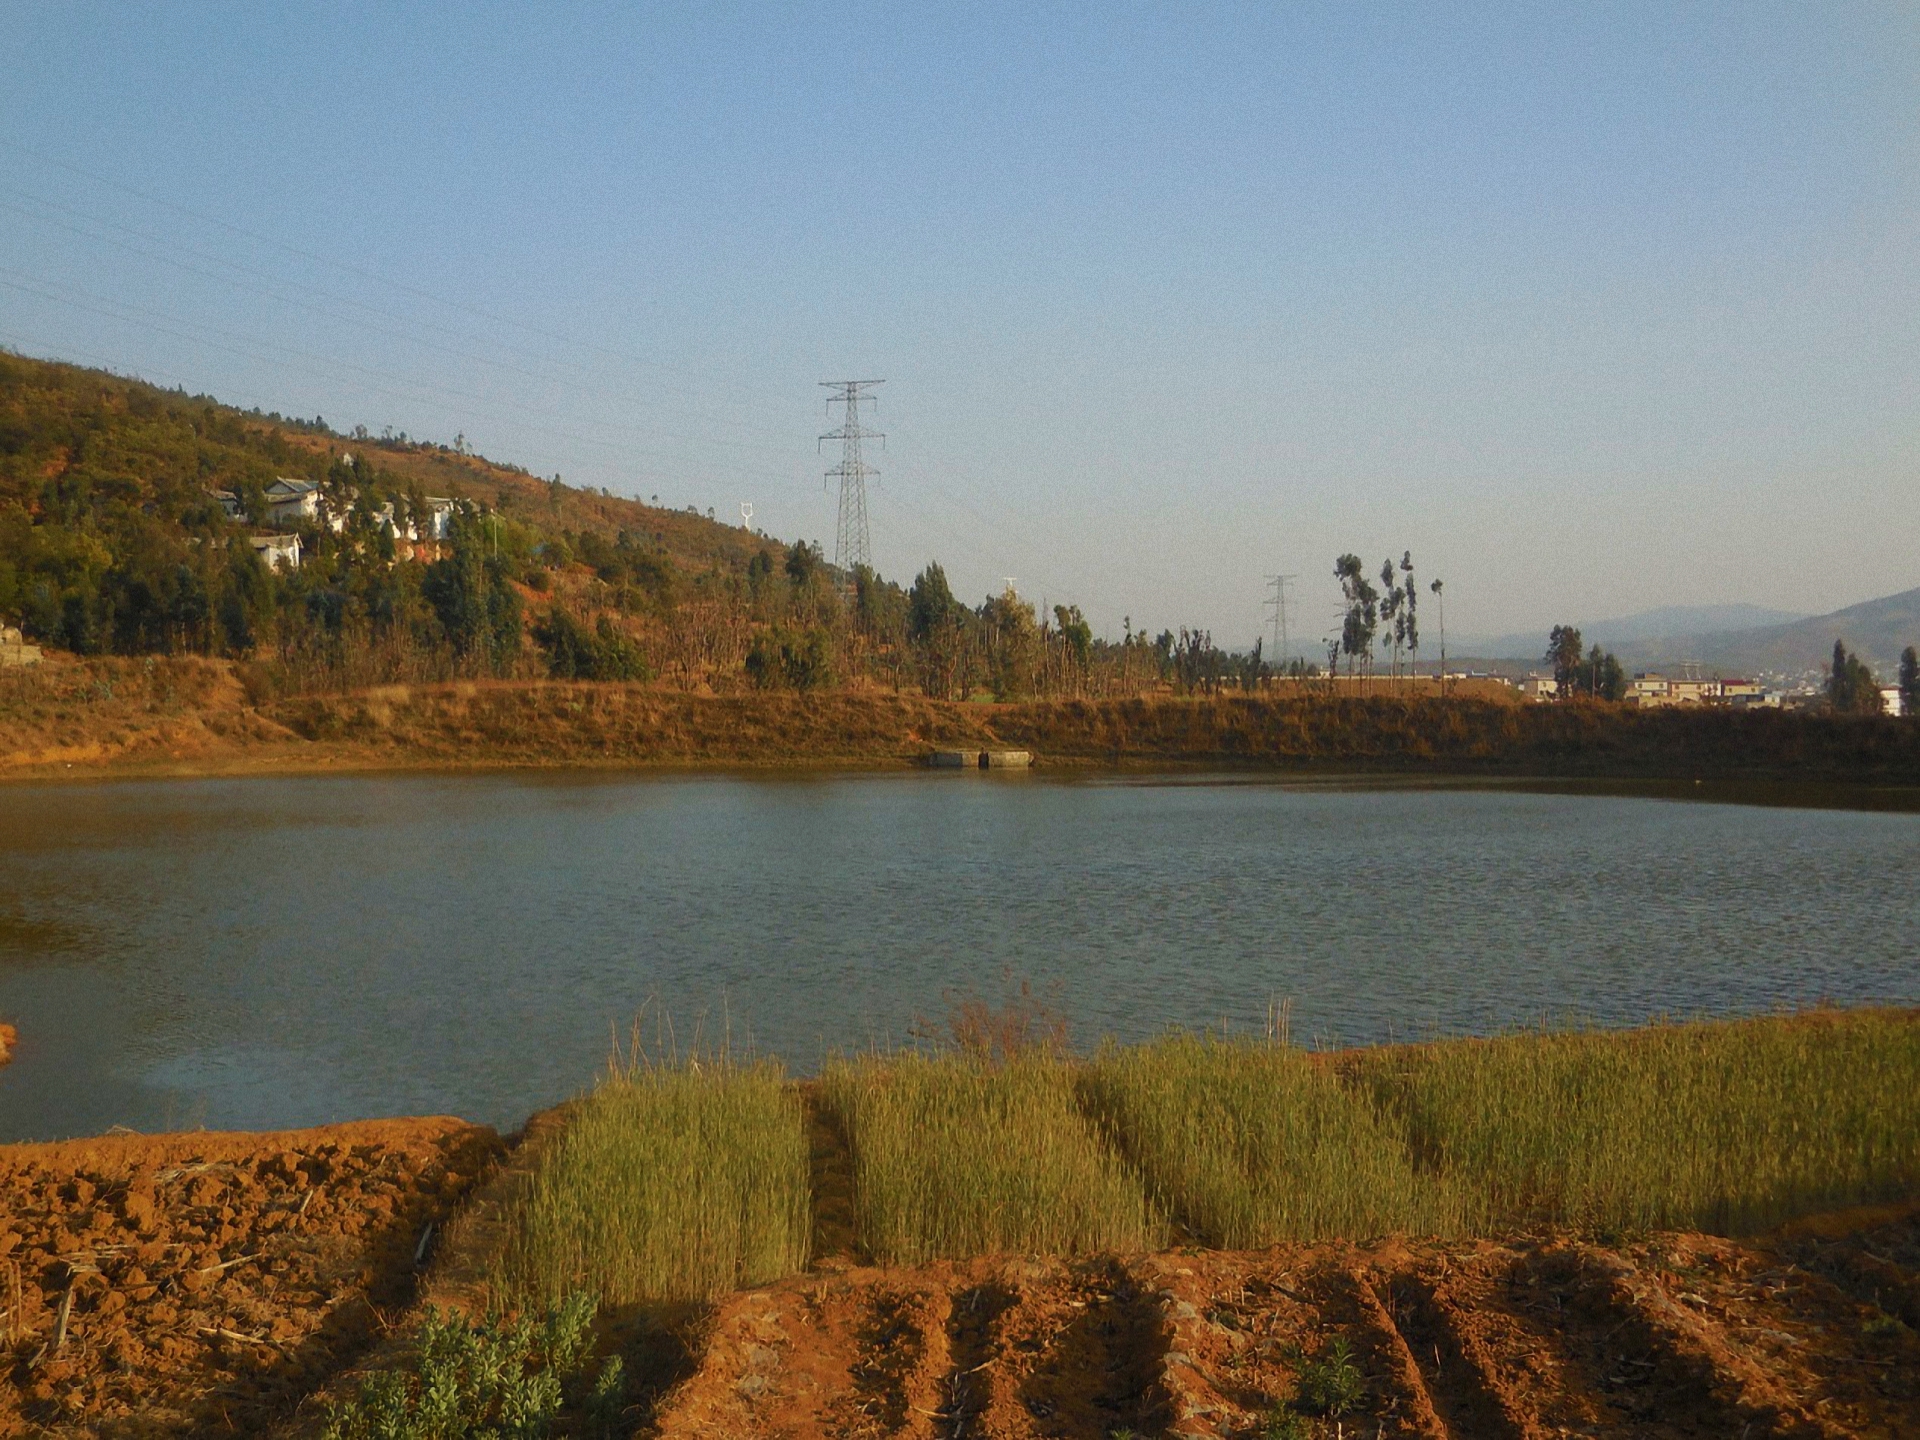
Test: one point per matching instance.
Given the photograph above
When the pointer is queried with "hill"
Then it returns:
(137, 521)
(71, 435)
(1877, 630)
(1735, 639)
(1668, 623)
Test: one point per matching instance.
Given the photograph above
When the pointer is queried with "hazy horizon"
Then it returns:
(1597, 311)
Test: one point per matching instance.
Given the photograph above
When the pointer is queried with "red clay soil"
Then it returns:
(1671, 1337)
(200, 1284)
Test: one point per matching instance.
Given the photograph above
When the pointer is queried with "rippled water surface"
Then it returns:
(276, 952)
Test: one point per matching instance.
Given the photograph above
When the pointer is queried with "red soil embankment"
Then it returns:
(200, 717)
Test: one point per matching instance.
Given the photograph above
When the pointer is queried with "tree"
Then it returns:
(1601, 676)
(1851, 688)
(930, 602)
(1439, 590)
(1410, 610)
(790, 659)
(1910, 684)
(1363, 613)
(1391, 614)
(576, 653)
(803, 560)
(1563, 654)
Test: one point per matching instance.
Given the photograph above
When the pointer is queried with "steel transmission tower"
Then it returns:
(1278, 605)
(853, 547)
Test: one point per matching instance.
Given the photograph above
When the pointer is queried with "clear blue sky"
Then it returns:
(1593, 307)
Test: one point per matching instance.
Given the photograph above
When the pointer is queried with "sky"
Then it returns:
(1593, 308)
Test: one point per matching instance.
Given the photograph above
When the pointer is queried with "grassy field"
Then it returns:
(957, 1156)
(669, 1183)
(684, 1182)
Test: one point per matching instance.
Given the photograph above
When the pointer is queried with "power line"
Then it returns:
(853, 546)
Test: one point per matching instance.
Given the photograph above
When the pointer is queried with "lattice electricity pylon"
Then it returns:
(854, 546)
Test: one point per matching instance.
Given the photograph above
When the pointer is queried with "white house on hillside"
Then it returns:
(279, 551)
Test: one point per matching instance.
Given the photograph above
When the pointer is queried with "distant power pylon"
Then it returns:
(853, 547)
(1277, 603)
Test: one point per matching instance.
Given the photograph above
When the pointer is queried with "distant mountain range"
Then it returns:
(1736, 639)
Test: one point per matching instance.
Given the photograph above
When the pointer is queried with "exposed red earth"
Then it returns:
(1669, 1336)
(200, 1284)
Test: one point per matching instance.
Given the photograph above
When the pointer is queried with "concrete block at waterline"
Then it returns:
(1006, 759)
(955, 760)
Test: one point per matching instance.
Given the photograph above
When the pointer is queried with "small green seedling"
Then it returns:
(1330, 1383)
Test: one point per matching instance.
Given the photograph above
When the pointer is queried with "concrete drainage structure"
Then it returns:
(981, 759)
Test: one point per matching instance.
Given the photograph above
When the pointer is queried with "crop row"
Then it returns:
(686, 1181)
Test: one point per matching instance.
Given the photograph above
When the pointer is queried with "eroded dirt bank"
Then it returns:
(200, 1284)
(76, 718)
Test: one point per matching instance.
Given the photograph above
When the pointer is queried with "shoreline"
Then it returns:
(1783, 791)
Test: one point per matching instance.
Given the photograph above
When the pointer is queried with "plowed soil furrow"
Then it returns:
(1842, 1358)
(1464, 1377)
(830, 1183)
(902, 1362)
(973, 1338)
(1664, 1363)
(1209, 1350)
(1397, 1400)
(1079, 1353)
(777, 1361)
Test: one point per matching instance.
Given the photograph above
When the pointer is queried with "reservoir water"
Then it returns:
(277, 952)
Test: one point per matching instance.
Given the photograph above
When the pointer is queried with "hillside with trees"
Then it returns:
(116, 539)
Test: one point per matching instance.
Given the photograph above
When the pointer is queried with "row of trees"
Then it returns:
(1387, 618)
(1595, 673)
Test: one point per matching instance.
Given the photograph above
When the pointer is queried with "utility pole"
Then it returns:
(1277, 603)
(853, 547)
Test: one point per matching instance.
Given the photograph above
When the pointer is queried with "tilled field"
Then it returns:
(200, 1284)
(205, 1284)
(1671, 1336)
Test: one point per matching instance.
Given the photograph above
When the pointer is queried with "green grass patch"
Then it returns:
(1731, 1127)
(668, 1183)
(1250, 1144)
(954, 1156)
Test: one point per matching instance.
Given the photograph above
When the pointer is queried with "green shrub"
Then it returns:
(498, 1378)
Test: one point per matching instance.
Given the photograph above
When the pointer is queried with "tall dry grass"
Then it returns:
(669, 1183)
(1730, 1127)
(956, 1156)
(1250, 1144)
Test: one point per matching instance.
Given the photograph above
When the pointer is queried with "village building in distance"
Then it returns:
(292, 503)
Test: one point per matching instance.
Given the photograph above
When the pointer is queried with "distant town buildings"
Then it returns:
(1657, 690)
